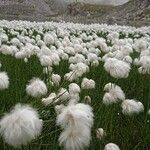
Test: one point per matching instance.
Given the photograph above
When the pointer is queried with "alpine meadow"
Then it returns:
(72, 86)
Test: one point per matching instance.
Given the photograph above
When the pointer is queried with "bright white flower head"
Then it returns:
(100, 133)
(88, 99)
(69, 50)
(45, 60)
(74, 88)
(74, 97)
(111, 146)
(87, 84)
(50, 99)
(92, 57)
(36, 88)
(4, 81)
(113, 95)
(63, 95)
(48, 39)
(20, 126)
(76, 122)
(117, 68)
(6, 50)
(130, 107)
(56, 79)
(144, 62)
(140, 45)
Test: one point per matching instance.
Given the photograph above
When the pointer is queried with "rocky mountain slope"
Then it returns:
(134, 12)
(37, 10)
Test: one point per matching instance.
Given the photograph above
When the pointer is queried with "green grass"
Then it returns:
(130, 133)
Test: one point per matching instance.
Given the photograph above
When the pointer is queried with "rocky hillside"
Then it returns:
(135, 12)
(37, 10)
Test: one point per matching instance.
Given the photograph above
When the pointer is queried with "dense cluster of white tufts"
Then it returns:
(117, 68)
(74, 49)
(4, 81)
(76, 122)
(87, 84)
(113, 94)
(131, 106)
(36, 88)
(48, 39)
(111, 146)
(20, 126)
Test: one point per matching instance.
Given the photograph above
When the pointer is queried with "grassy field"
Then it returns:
(129, 132)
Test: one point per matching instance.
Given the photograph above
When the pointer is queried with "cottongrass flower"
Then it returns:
(131, 106)
(20, 126)
(48, 39)
(25, 60)
(87, 99)
(56, 79)
(74, 88)
(36, 88)
(117, 68)
(50, 99)
(6, 50)
(4, 81)
(87, 84)
(76, 122)
(144, 62)
(45, 60)
(62, 95)
(114, 94)
(111, 146)
(100, 133)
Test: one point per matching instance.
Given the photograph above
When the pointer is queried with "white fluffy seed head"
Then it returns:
(50, 99)
(56, 79)
(113, 95)
(74, 88)
(100, 133)
(4, 81)
(36, 88)
(63, 95)
(111, 146)
(48, 39)
(45, 60)
(76, 122)
(132, 106)
(20, 126)
(88, 99)
(117, 68)
(87, 84)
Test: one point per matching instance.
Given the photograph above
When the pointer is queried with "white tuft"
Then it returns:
(117, 68)
(114, 94)
(87, 84)
(130, 107)
(76, 122)
(20, 126)
(111, 146)
(4, 81)
(36, 88)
